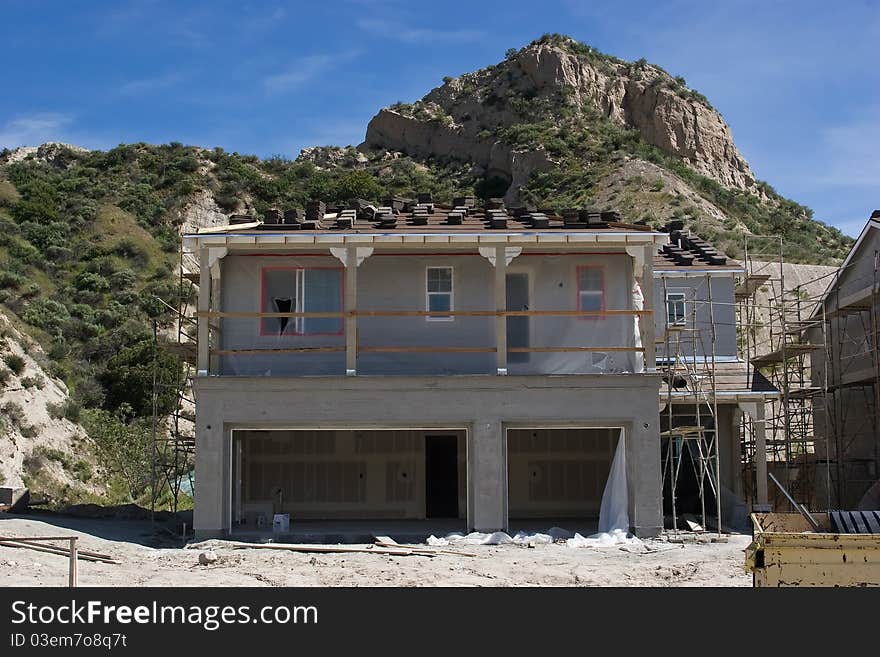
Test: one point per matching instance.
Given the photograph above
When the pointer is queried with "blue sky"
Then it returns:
(798, 81)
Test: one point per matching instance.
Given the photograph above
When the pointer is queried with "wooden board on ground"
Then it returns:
(307, 547)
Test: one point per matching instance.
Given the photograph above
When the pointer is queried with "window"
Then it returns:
(675, 308)
(439, 292)
(301, 291)
(591, 288)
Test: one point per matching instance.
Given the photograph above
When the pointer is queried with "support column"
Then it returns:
(487, 476)
(646, 322)
(756, 411)
(350, 304)
(643, 299)
(351, 258)
(501, 305)
(204, 305)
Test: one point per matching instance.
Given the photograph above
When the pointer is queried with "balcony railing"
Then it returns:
(611, 344)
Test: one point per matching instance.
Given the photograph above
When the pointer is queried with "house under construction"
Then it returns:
(740, 353)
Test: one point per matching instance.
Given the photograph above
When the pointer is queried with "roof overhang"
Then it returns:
(872, 224)
(724, 397)
(696, 272)
(298, 239)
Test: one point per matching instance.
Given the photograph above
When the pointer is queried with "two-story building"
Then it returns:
(713, 387)
(846, 372)
(413, 361)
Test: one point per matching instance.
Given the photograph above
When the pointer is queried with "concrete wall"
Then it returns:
(483, 405)
(723, 308)
(397, 282)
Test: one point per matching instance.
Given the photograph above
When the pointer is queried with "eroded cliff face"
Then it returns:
(460, 119)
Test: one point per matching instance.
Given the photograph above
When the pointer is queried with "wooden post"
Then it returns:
(73, 558)
(501, 304)
(204, 305)
(350, 304)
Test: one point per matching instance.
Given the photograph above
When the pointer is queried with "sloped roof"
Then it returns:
(687, 252)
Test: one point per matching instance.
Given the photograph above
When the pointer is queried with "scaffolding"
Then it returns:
(786, 333)
(690, 418)
(851, 374)
(173, 436)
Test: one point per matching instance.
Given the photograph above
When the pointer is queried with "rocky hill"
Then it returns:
(479, 117)
(558, 123)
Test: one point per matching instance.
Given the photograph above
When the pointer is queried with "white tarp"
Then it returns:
(614, 509)
(613, 519)
(501, 538)
(638, 299)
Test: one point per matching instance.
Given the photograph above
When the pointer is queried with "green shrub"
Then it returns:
(92, 282)
(9, 279)
(15, 363)
(46, 314)
(83, 470)
(29, 382)
(68, 409)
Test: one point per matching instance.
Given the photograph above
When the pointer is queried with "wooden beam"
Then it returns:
(418, 350)
(552, 350)
(289, 350)
(431, 313)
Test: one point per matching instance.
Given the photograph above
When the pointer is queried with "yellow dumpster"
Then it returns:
(787, 551)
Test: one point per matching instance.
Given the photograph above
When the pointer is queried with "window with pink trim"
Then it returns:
(301, 290)
(591, 288)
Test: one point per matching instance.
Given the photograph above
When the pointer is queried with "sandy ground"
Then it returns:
(689, 564)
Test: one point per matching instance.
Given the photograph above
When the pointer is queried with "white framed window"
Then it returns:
(676, 308)
(591, 289)
(439, 295)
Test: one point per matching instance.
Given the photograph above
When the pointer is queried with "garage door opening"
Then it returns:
(558, 474)
(316, 475)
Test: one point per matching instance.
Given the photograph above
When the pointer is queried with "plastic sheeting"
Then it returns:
(502, 538)
(614, 510)
(613, 519)
(602, 539)
(638, 304)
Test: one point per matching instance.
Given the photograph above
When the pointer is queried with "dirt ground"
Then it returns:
(655, 563)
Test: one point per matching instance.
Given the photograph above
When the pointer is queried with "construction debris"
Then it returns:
(30, 543)
(306, 547)
(207, 557)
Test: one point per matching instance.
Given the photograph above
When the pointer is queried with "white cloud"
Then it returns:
(263, 22)
(850, 153)
(34, 129)
(149, 85)
(305, 70)
(408, 34)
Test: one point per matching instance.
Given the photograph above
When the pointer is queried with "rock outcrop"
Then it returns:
(201, 211)
(36, 442)
(554, 81)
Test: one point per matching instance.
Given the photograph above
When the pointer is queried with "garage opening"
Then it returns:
(327, 474)
(556, 474)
